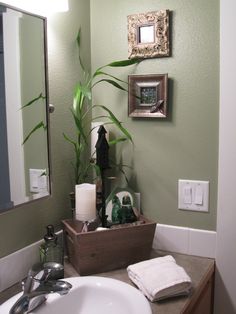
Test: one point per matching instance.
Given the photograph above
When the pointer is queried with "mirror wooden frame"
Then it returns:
(148, 96)
(156, 45)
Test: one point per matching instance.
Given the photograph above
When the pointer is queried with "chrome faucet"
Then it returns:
(41, 281)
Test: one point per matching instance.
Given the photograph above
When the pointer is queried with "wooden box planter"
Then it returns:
(100, 251)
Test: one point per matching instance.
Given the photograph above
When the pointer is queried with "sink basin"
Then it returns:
(92, 295)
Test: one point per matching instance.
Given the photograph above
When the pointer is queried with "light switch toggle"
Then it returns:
(187, 194)
(198, 195)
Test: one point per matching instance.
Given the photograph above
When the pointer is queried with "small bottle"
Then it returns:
(51, 250)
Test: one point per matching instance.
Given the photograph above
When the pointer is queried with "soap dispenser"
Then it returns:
(51, 250)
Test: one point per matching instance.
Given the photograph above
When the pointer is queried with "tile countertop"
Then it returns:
(198, 268)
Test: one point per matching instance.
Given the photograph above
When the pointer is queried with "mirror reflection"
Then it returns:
(24, 162)
(146, 34)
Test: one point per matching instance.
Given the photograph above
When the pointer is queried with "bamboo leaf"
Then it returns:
(97, 73)
(124, 63)
(79, 126)
(97, 169)
(34, 100)
(69, 140)
(77, 99)
(114, 83)
(82, 90)
(119, 63)
(38, 126)
(78, 39)
(124, 174)
(120, 168)
(113, 118)
(86, 91)
(100, 117)
(117, 140)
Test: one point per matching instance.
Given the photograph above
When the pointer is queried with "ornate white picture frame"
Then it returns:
(148, 35)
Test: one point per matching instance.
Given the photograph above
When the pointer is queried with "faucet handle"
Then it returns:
(45, 271)
(52, 271)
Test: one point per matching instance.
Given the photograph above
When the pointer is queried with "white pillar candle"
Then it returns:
(94, 136)
(85, 202)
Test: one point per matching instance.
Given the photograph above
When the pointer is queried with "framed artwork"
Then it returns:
(148, 96)
(148, 34)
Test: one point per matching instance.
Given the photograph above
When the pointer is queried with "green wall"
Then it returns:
(184, 146)
(26, 224)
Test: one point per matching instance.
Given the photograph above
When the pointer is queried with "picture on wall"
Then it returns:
(148, 35)
(148, 96)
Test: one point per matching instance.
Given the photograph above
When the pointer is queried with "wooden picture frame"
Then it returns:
(148, 34)
(148, 96)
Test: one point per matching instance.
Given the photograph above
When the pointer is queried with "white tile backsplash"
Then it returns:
(171, 238)
(14, 267)
(185, 240)
(202, 242)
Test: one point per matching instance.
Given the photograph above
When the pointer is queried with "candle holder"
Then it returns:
(85, 202)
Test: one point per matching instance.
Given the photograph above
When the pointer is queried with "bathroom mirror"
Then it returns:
(24, 123)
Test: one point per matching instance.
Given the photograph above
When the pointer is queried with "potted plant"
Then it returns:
(83, 110)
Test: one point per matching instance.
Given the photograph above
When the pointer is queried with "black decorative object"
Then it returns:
(102, 153)
(102, 149)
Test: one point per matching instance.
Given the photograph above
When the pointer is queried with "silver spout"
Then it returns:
(30, 301)
(38, 285)
(22, 305)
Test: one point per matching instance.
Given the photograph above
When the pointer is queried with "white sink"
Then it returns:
(92, 295)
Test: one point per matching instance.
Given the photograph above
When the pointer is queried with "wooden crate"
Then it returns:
(99, 251)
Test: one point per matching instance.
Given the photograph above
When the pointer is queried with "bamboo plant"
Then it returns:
(84, 107)
(40, 124)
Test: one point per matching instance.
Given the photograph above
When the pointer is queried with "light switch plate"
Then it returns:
(38, 182)
(199, 195)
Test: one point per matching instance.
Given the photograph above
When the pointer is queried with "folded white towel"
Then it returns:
(160, 278)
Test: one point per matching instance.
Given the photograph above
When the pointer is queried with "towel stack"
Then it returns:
(160, 278)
